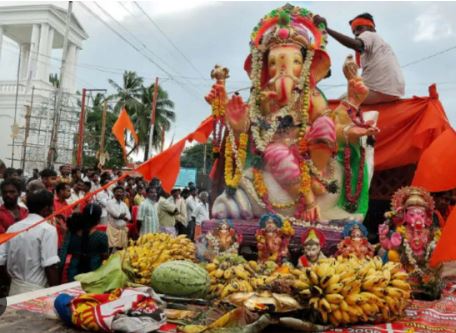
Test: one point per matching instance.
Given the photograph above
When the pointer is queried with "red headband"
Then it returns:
(362, 21)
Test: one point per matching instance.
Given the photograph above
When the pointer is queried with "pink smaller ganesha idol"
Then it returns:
(355, 242)
(273, 239)
(312, 242)
(409, 236)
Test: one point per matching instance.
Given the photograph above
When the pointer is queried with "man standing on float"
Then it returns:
(381, 71)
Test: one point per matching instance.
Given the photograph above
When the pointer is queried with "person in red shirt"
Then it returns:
(10, 211)
(62, 193)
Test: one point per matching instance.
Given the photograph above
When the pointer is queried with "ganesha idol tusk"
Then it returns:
(271, 162)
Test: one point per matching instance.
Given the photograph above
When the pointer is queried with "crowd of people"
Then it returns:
(90, 214)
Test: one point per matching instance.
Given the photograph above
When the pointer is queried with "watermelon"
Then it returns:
(181, 278)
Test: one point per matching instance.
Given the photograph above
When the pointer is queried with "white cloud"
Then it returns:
(432, 25)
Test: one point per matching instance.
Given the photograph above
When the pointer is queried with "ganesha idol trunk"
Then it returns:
(283, 86)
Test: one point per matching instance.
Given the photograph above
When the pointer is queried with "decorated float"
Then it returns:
(291, 184)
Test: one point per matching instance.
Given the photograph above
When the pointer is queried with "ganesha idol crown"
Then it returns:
(412, 196)
(291, 25)
(288, 25)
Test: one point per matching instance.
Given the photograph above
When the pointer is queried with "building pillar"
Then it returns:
(25, 58)
(50, 42)
(43, 60)
(69, 64)
(1, 41)
(73, 69)
(33, 58)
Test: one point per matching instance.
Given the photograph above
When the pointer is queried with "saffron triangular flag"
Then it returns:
(165, 166)
(436, 168)
(123, 123)
(445, 250)
(7, 236)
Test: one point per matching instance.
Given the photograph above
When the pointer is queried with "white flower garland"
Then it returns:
(318, 175)
(411, 257)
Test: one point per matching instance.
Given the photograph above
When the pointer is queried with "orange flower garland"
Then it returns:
(233, 173)
(304, 187)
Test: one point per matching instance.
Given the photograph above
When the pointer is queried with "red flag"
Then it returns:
(124, 123)
(445, 249)
(436, 170)
(166, 165)
(203, 131)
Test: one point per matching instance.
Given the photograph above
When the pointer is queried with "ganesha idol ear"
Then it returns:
(321, 63)
(248, 69)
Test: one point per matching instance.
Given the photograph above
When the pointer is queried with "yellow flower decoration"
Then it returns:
(233, 174)
(401, 229)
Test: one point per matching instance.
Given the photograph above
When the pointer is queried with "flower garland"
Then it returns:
(304, 190)
(218, 112)
(328, 182)
(352, 198)
(411, 257)
(233, 174)
(262, 192)
(263, 139)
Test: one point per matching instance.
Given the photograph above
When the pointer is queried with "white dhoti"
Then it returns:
(117, 236)
(19, 287)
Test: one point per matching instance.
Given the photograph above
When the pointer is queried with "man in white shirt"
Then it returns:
(181, 216)
(118, 217)
(200, 214)
(77, 192)
(192, 201)
(102, 198)
(31, 259)
(381, 70)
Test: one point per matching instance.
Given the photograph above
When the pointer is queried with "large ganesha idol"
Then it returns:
(409, 235)
(285, 151)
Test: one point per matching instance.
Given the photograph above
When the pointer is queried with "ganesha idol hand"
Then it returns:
(236, 114)
(357, 92)
(217, 91)
(357, 132)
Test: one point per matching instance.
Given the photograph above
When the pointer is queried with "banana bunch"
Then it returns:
(151, 250)
(232, 273)
(347, 291)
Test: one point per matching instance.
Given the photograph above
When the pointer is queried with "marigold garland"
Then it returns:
(233, 173)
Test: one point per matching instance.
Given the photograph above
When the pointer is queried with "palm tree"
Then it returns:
(93, 136)
(128, 94)
(164, 117)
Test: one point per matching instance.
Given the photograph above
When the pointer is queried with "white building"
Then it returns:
(38, 30)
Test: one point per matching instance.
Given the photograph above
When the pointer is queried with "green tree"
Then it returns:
(54, 80)
(164, 117)
(193, 157)
(128, 94)
(92, 138)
